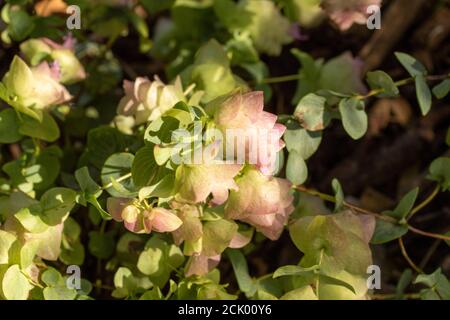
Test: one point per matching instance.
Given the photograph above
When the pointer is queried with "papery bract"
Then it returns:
(192, 228)
(35, 87)
(242, 117)
(139, 220)
(36, 50)
(147, 100)
(263, 202)
(195, 182)
(200, 265)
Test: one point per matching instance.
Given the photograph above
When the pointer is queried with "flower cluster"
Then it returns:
(37, 87)
(147, 100)
(210, 199)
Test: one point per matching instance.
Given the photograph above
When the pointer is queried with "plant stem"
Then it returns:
(120, 179)
(291, 77)
(330, 198)
(357, 209)
(429, 234)
(400, 83)
(425, 202)
(407, 258)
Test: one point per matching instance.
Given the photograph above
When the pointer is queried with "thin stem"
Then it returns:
(425, 202)
(400, 83)
(407, 258)
(120, 179)
(37, 284)
(292, 77)
(429, 234)
(356, 209)
(315, 193)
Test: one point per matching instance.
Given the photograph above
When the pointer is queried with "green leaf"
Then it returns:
(72, 255)
(338, 195)
(51, 277)
(303, 141)
(56, 204)
(405, 205)
(87, 184)
(440, 172)
(296, 169)
(154, 294)
(60, 292)
(442, 89)
(92, 199)
(244, 54)
(160, 130)
(103, 142)
(403, 283)
(337, 243)
(21, 24)
(308, 75)
(335, 281)
(386, 231)
(138, 23)
(9, 125)
(15, 285)
(115, 167)
(311, 112)
(294, 271)
(437, 282)
(125, 283)
(411, 64)
(163, 154)
(341, 74)
(164, 188)
(303, 293)
(90, 191)
(6, 241)
(46, 130)
(354, 117)
(232, 15)
(29, 250)
(381, 80)
(158, 260)
(211, 71)
(101, 245)
(239, 263)
(144, 167)
(152, 259)
(49, 167)
(217, 235)
(31, 220)
(423, 94)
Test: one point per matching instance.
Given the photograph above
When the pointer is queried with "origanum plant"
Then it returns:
(161, 154)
